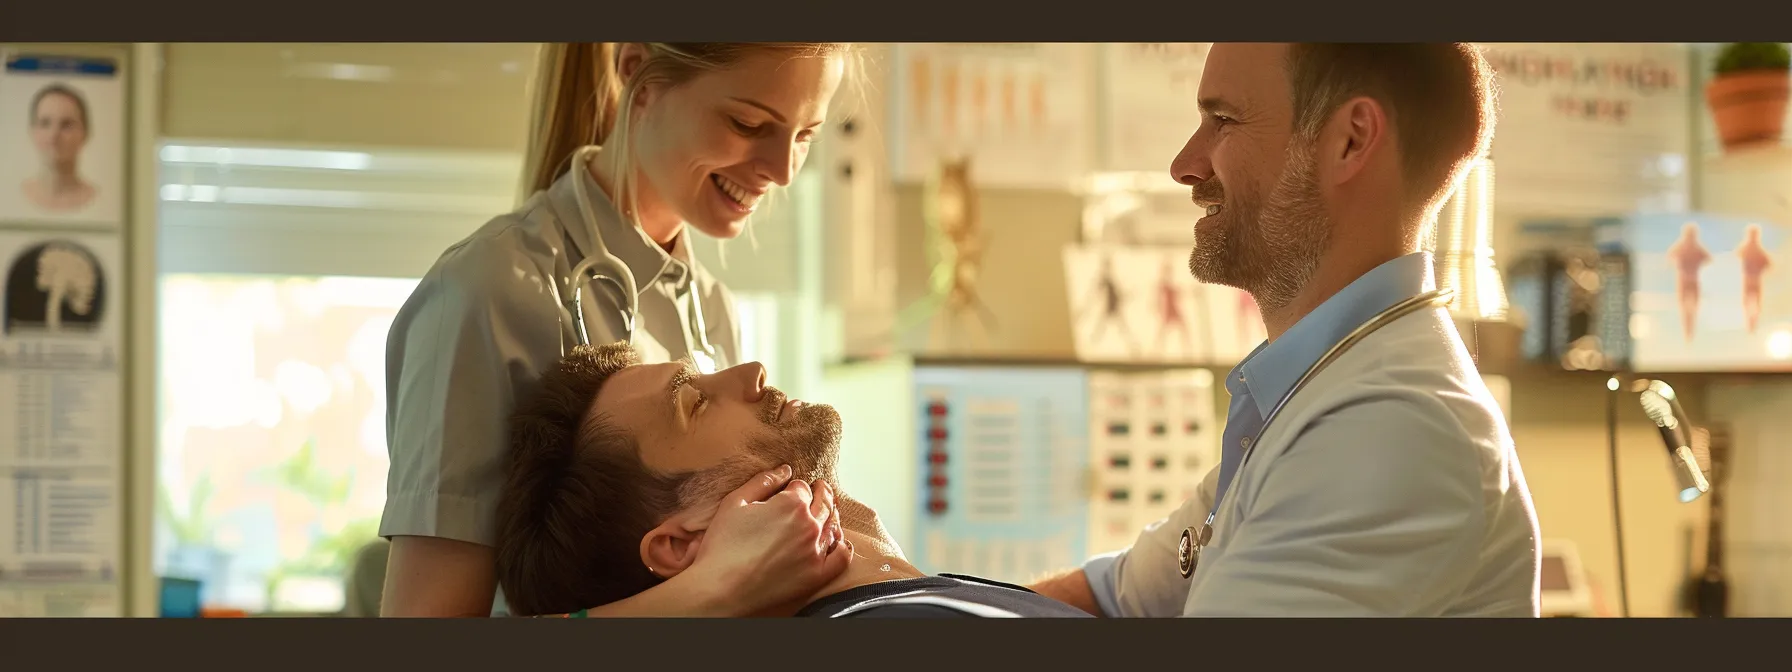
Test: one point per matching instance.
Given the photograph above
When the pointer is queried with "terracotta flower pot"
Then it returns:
(1749, 107)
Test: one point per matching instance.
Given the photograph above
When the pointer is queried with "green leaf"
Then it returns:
(190, 526)
(301, 474)
(1753, 56)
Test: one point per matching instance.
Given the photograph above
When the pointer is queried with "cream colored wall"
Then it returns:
(1024, 234)
(445, 96)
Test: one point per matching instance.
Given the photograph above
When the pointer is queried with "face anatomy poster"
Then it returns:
(62, 126)
(61, 423)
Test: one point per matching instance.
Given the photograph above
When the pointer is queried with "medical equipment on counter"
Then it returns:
(1708, 593)
(1688, 455)
(1577, 306)
(1194, 540)
(1678, 434)
(1562, 580)
(1004, 455)
(601, 266)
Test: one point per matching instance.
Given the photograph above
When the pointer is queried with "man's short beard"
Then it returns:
(810, 444)
(1270, 251)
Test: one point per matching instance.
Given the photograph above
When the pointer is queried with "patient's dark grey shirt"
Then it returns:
(941, 596)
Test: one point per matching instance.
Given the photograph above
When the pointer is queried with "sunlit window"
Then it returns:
(272, 464)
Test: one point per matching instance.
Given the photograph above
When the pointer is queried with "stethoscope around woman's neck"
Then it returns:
(599, 265)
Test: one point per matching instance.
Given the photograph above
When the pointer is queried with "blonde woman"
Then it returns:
(636, 144)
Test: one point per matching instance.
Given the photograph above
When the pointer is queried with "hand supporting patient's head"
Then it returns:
(616, 469)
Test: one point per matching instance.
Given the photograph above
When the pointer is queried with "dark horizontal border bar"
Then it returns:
(1170, 644)
(912, 21)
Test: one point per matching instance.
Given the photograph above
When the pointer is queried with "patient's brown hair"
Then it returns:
(576, 499)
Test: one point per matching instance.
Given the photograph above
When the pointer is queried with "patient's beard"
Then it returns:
(809, 443)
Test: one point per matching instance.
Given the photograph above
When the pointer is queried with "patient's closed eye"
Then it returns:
(698, 403)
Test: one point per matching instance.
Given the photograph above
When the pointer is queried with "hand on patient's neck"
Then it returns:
(873, 549)
(870, 556)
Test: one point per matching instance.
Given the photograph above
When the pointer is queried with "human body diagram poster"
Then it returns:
(1021, 112)
(1138, 304)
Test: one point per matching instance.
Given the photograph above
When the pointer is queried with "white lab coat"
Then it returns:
(1388, 487)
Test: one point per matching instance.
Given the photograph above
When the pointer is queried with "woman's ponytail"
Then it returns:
(575, 105)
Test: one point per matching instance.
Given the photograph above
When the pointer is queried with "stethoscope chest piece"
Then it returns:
(1188, 552)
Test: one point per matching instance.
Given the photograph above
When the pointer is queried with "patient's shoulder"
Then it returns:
(908, 610)
(945, 596)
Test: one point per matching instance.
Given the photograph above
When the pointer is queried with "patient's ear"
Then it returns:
(672, 547)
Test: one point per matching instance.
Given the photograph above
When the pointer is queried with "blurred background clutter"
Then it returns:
(192, 408)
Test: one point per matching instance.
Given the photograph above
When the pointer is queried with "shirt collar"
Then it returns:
(645, 259)
(1274, 367)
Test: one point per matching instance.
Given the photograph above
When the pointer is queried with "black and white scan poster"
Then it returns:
(61, 423)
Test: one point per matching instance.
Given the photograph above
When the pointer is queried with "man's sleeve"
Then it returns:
(1143, 581)
(1369, 513)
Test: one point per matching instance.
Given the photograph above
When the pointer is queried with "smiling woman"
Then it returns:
(728, 121)
(631, 145)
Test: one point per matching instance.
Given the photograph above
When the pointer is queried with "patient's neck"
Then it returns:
(876, 557)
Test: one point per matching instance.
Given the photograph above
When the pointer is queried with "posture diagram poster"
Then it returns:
(62, 140)
(1140, 304)
(60, 424)
(1709, 294)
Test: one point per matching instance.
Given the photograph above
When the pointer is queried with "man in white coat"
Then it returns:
(1388, 486)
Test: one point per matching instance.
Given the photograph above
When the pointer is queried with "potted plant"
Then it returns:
(1748, 92)
(194, 554)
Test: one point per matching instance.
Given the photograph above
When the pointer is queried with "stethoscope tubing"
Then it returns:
(618, 276)
(1194, 541)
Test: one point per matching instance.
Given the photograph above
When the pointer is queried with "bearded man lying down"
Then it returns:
(618, 467)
